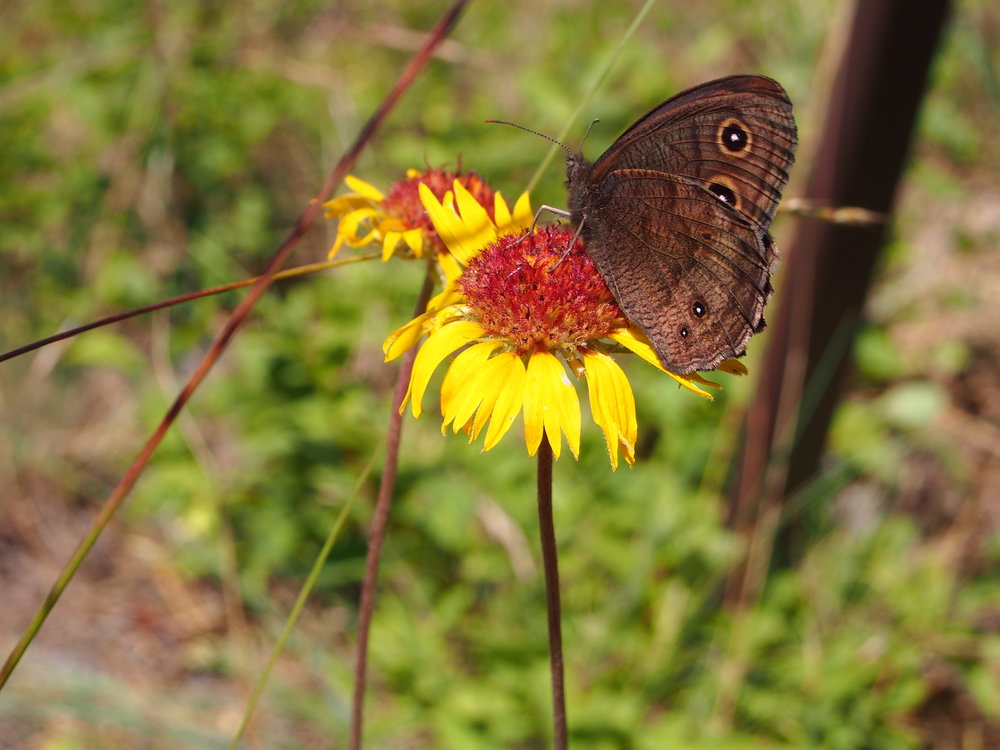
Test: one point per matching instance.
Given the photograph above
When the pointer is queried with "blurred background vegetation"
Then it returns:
(155, 148)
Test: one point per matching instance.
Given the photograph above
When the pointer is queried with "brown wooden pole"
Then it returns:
(865, 141)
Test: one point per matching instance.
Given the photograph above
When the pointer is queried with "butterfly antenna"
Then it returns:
(563, 146)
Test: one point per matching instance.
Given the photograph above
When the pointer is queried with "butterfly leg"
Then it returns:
(558, 212)
(534, 222)
(576, 235)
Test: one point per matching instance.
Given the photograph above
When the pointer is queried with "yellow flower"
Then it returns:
(523, 310)
(396, 220)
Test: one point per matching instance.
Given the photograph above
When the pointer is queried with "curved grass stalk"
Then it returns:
(300, 601)
(588, 94)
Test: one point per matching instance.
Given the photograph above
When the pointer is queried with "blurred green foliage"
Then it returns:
(153, 149)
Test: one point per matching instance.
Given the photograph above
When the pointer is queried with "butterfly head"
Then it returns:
(577, 177)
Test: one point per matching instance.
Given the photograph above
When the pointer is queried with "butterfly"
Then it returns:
(675, 216)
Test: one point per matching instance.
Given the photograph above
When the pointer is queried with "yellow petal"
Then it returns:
(499, 376)
(461, 391)
(523, 215)
(363, 188)
(403, 338)
(473, 213)
(733, 367)
(336, 246)
(501, 213)
(697, 378)
(389, 244)
(507, 392)
(450, 266)
(448, 224)
(635, 341)
(344, 204)
(479, 229)
(447, 296)
(507, 222)
(350, 226)
(550, 405)
(414, 238)
(612, 405)
(439, 345)
(490, 388)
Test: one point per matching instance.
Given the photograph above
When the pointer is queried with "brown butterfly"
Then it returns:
(675, 216)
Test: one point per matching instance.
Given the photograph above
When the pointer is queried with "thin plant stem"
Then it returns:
(550, 563)
(190, 296)
(300, 601)
(380, 521)
(236, 319)
(589, 93)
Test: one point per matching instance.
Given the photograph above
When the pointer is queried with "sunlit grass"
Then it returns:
(148, 156)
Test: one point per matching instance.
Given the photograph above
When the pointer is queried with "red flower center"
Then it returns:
(539, 295)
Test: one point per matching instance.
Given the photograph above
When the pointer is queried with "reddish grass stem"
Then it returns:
(550, 563)
(380, 521)
(236, 319)
(172, 301)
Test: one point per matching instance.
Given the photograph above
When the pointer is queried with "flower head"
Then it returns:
(526, 307)
(397, 219)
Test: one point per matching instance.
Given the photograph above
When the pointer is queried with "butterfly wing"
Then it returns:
(675, 216)
(691, 272)
(736, 132)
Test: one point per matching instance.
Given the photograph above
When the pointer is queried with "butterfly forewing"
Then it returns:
(736, 133)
